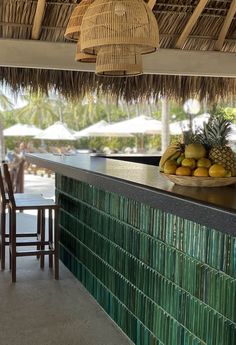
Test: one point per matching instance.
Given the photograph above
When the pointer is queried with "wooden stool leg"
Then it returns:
(13, 245)
(42, 246)
(50, 237)
(3, 235)
(38, 230)
(56, 244)
(10, 226)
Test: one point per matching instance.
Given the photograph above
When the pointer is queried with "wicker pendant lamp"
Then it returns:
(119, 22)
(73, 27)
(119, 61)
(73, 30)
(82, 57)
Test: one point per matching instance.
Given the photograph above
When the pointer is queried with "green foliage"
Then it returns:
(229, 113)
(154, 142)
(40, 110)
(176, 112)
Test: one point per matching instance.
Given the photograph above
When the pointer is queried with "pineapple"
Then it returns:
(214, 137)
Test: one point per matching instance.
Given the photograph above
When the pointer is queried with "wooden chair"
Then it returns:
(41, 205)
(4, 236)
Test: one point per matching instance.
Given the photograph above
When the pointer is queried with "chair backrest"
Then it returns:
(9, 184)
(2, 188)
(19, 183)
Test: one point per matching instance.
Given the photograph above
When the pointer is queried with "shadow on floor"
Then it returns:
(37, 310)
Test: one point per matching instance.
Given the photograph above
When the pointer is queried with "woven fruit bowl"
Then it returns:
(192, 181)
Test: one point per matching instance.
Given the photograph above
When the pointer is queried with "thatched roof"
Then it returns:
(17, 20)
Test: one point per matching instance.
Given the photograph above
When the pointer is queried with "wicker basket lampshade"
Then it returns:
(73, 31)
(119, 22)
(82, 57)
(119, 61)
(73, 28)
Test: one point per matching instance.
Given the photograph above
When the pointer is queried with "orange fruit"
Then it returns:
(188, 162)
(203, 163)
(217, 170)
(170, 167)
(201, 172)
(183, 171)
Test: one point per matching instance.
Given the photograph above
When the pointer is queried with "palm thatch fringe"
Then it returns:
(74, 85)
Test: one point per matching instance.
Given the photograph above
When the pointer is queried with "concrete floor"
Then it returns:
(38, 310)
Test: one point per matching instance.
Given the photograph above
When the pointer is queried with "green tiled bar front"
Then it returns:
(163, 279)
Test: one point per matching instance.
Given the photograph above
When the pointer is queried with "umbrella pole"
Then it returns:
(142, 142)
(136, 142)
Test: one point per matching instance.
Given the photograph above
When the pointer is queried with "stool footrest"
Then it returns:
(32, 243)
(24, 234)
(35, 252)
(6, 243)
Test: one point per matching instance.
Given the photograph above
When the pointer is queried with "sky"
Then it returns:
(17, 101)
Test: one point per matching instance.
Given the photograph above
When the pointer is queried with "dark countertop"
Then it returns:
(111, 155)
(142, 158)
(212, 207)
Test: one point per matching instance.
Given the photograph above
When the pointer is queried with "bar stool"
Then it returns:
(4, 236)
(41, 205)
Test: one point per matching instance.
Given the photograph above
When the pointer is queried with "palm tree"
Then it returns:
(60, 107)
(76, 116)
(5, 105)
(39, 110)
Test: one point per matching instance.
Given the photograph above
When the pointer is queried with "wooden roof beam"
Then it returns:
(223, 32)
(190, 24)
(60, 56)
(38, 19)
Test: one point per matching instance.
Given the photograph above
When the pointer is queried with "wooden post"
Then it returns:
(38, 19)
(165, 137)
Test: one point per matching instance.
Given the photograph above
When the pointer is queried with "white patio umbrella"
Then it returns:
(57, 131)
(108, 131)
(199, 120)
(232, 135)
(86, 132)
(137, 125)
(177, 128)
(21, 130)
(233, 128)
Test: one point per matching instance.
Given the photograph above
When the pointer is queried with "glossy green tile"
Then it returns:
(164, 280)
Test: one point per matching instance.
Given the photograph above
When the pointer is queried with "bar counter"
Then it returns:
(159, 258)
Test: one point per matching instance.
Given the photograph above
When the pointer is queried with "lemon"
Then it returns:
(203, 163)
(217, 170)
(188, 162)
